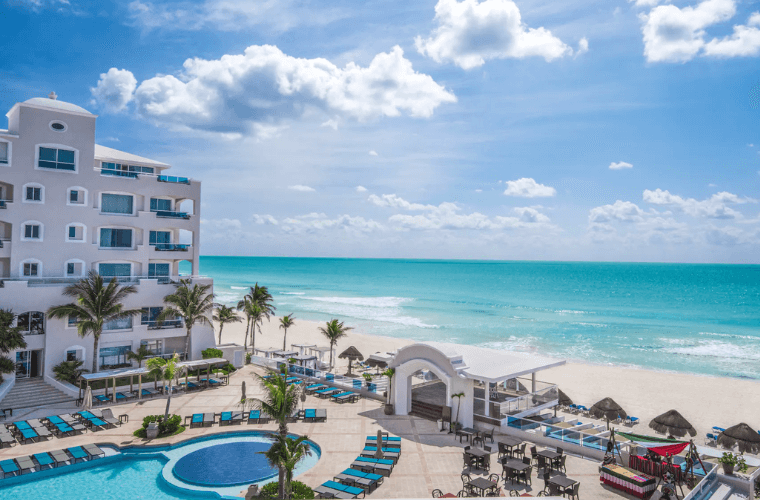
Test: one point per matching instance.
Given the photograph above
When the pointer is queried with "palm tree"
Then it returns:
(10, 338)
(256, 314)
(169, 372)
(242, 305)
(224, 315)
(96, 304)
(280, 400)
(140, 355)
(260, 296)
(334, 330)
(459, 397)
(285, 323)
(193, 305)
(285, 454)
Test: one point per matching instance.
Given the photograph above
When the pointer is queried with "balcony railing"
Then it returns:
(169, 323)
(4, 203)
(170, 247)
(51, 281)
(175, 180)
(119, 173)
(172, 215)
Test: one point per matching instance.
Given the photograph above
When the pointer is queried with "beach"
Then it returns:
(705, 401)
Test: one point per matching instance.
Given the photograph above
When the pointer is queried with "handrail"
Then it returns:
(137, 175)
(171, 214)
(171, 247)
(52, 280)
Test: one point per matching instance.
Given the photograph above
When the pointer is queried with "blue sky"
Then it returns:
(494, 129)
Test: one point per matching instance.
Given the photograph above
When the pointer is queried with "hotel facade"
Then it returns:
(69, 206)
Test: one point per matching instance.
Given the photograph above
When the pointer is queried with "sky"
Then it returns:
(611, 130)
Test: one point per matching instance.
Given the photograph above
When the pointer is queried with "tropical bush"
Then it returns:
(68, 371)
(11, 338)
(212, 353)
(298, 489)
(166, 427)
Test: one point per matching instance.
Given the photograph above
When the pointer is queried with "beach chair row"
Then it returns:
(366, 473)
(49, 460)
(251, 417)
(32, 430)
(336, 395)
(123, 396)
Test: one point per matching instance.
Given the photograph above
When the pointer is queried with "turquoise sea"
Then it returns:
(701, 319)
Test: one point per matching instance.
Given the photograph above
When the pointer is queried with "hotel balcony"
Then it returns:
(166, 214)
(5, 247)
(138, 175)
(171, 251)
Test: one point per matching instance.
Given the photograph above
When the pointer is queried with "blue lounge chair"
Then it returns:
(366, 480)
(633, 420)
(9, 468)
(86, 415)
(329, 376)
(197, 420)
(22, 425)
(254, 416)
(719, 429)
(711, 439)
(120, 396)
(44, 460)
(225, 418)
(102, 399)
(77, 454)
(324, 393)
(357, 384)
(340, 394)
(28, 435)
(351, 490)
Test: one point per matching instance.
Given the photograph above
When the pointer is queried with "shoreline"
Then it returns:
(704, 400)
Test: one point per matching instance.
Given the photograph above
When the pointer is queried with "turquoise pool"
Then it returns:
(140, 472)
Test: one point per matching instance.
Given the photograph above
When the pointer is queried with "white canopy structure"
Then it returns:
(302, 347)
(478, 373)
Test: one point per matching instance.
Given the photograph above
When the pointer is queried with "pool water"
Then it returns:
(226, 464)
(126, 479)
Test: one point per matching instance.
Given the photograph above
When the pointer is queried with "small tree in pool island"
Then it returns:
(193, 305)
(334, 330)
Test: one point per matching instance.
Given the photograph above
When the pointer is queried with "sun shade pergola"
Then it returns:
(88, 378)
(352, 353)
(286, 354)
(743, 435)
(672, 422)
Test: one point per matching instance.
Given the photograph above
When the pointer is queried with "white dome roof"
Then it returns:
(46, 102)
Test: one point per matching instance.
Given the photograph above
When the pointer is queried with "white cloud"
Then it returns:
(673, 34)
(331, 123)
(301, 188)
(114, 90)
(373, 153)
(393, 201)
(264, 219)
(623, 211)
(528, 188)
(311, 223)
(530, 214)
(471, 31)
(361, 189)
(38, 5)
(265, 87)
(620, 165)
(582, 47)
(478, 190)
(644, 3)
(715, 207)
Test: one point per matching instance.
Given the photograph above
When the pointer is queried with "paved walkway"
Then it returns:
(430, 459)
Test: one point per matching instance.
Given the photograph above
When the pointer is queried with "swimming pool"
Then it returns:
(149, 472)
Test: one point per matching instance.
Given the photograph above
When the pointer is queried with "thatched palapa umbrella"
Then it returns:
(352, 353)
(564, 399)
(608, 409)
(673, 423)
(743, 435)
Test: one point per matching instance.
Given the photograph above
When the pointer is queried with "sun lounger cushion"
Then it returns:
(43, 459)
(78, 453)
(226, 416)
(43, 432)
(28, 433)
(209, 418)
(386, 438)
(54, 419)
(93, 450)
(342, 487)
(23, 425)
(102, 398)
(59, 456)
(8, 466)
(254, 415)
(25, 463)
(197, 418)
(87, 415)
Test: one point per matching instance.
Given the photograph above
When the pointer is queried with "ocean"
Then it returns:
(702, 319)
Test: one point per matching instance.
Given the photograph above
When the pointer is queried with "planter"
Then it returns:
(728, 469)
(388, 410)
(440, 425)
(152, 430)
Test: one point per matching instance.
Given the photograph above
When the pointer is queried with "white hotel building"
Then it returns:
(67, 206)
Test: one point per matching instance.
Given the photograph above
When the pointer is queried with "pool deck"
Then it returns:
(430, 459)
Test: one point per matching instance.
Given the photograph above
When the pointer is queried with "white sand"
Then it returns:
(704, 401)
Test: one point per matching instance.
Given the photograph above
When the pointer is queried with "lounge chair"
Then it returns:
(28, 435)
(197, 420)
(7, 438)
(77, 454)
(381, 464)
(35, 423)
(107, 416)
(314, 388)
(101, 398)
(357, 384)
(711, 439)
(225, 418)
(366, 480)
(209, 419)
(60, 457)
(349, 397)
(44, 460)
(388, 453)
(338, 490)
(9, 468)
(325, 393)
(330, 376)
(93, 451)
(25, 464)
(43, 432)
(254, 416)
(238, 417)
(388, 441)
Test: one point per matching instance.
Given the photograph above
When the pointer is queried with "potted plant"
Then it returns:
(368, 379)
(731, 462)
(388, 405)
(248, 358)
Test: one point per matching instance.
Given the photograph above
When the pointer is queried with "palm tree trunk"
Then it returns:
(221, 326)
(168, 402)
(281, 479)
(284, 338)
(247, 327)
(187, 343)
(253, 337)
(95, 343)
(331, 355)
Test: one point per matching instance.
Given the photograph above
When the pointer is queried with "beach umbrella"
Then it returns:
(608, 409)
(743, 435)
(673, 423)
(564, 399)
(352, 353)
(87, 401)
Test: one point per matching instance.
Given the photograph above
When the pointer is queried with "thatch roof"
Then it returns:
(742, 434)
(352, 353)
(672, 422)
(608, 409)
(564, 399)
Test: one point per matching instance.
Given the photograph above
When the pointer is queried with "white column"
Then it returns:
(488, 397)
(533, 382)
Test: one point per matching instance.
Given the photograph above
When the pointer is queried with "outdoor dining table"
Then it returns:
(510, 443)
(515, 465)
(550, 455)
(482, 485)
(466, 432)
(478, 454)
(562, 481)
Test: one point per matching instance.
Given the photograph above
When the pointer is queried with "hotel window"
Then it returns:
(33, 193)
(114, 356)
(160, 271)
(32, 231)
(117, 203)
(111, 270)
(3, 153)
(120, 170)
(57, 159)
(160, 237)
(160, 205)
(71, 356)
(118, 324)
(31, 269)
(155, 347)
(77, 196)
(75, 233)
(115, 238)
(70, 268)
(72, 321)
(32, 323)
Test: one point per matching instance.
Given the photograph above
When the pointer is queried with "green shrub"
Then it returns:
(212, 353)
(166, 428)
(299, 490)
(68, 371)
